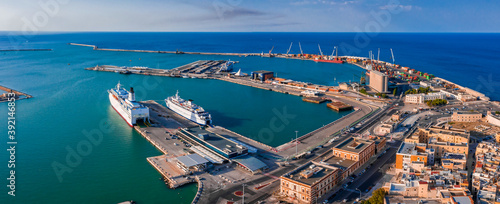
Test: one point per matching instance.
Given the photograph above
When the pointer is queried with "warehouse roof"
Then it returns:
(192, 160)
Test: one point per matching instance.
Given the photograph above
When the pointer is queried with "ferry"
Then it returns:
(124, 103)
(227, 67)
(188, 110)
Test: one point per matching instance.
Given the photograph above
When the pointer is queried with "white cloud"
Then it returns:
(400, 7)
(325, 2)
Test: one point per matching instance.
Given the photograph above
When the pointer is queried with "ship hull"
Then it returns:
(330, 61)
(186, 113)
(120, 110)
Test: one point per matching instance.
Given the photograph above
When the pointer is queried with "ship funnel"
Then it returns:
(131, 94)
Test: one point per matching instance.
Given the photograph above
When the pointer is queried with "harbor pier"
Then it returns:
(18, 95)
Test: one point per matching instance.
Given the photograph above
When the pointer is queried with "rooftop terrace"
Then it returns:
(310, 173)
(353, 145)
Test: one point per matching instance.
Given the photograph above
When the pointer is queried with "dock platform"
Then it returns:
(19, 95)
(172, 175)
(315, 99)
(197, 69)
(339, 106)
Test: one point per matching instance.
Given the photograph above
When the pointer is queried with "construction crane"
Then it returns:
(289, 48)
(335, 50)
(320, 52)
(393, 60)
(300, 49)
(362, 78)
(271, 50)
(378, 56)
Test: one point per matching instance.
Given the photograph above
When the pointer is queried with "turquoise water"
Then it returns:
(70, 102)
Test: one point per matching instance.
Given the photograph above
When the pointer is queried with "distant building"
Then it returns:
(262, 75)
(216, 146)
(493, 118)
(344, 86)
(466, 97)
(466, 116)
(448, 147)
(309, 182)
(355, 149)
(411, 156)
(432, 85)
(387, 127)
(422, 98)
(396, 116)
(251, 164)
(380, 143)
(191, 163)
(443, 134)
(379, 81)
(454, 161)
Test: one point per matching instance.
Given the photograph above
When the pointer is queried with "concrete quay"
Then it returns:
(18, 95)
(167, 52)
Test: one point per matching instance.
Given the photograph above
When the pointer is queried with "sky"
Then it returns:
(251, 15)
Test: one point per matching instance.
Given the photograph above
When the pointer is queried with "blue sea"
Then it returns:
(71, 103)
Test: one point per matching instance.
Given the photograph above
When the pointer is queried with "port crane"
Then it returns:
(300, 49)
(289, 48)
(362, 78)
(271, 50)
(393, 60)
(336, 51)
(320, 52)
(378, 56)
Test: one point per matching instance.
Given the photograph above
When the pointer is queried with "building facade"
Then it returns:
(355, 149)
(466, 116)
(379, 81)
(493, 119)
(422, 98)
(410, 154)
(309, 182)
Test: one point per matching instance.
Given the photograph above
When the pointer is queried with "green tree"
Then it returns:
(378, 197)
(363, 91)
(437, 102)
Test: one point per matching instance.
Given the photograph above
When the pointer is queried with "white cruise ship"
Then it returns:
(228, 66)
(188, 110)
(124, 103)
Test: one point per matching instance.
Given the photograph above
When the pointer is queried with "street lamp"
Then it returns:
(359, 193)
(243, 201)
